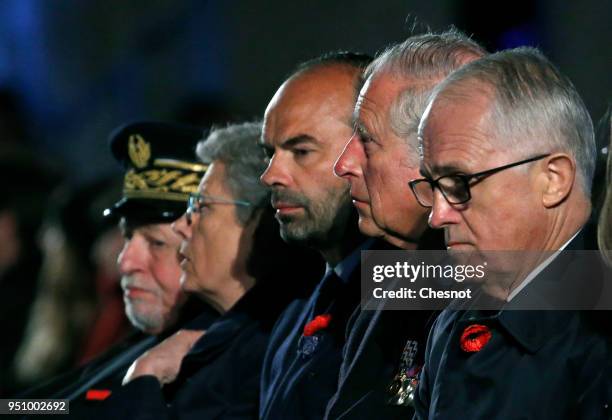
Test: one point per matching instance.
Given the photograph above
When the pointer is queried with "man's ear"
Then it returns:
(559, 172)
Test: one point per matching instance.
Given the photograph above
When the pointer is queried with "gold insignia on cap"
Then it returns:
(161, 184)
(163, 179)
(139, 150)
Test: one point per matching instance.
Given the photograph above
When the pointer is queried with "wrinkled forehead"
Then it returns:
(377, 97)
(456, 133)
(367, 100)
(385, 87)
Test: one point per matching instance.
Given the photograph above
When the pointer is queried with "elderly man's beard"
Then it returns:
(146, 315)
(323, 221)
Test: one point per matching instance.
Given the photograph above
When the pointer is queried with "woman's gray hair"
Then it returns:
(237, 147)
(534, 108)
(426, 59)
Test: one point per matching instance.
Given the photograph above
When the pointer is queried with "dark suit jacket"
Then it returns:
(107, 371)
(104, 372)
(372, 359)
(300, 385)
(373, 353)
(219, 377)
(537, 365)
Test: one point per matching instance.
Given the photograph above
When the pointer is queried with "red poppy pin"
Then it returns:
(320, 322)
(475, 337)
(97, 394)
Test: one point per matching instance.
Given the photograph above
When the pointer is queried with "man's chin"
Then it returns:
(464, 255)
(145, 320)
(292, 233)
(188, 283)
(368, 228)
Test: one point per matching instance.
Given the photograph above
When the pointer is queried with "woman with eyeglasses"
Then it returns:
(233, 258)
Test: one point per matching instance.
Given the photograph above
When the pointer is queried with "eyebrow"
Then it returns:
(298, 140)
(448, 169)
(424, 172)
(362, 129)
(358, 126)
(151, 230)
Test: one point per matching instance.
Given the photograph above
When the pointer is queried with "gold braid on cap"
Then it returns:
(167, 180)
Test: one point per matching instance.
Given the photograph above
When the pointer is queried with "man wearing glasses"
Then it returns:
(508, 156)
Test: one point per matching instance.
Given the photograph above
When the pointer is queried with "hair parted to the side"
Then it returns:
(425, 59)
(237, 147)
(534, 108)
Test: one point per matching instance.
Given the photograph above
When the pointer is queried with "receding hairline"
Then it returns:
(466, 92)
(319, 77)
(320, 70)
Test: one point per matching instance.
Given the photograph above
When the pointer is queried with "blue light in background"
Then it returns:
(519, 36)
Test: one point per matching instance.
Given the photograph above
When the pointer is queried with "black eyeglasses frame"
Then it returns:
(465, 180)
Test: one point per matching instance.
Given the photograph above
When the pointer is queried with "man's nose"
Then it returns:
(130, 257)
(349, 162)
(275, 174)
(442, 213)
(181, 227)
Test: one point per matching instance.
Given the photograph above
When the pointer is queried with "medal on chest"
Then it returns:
(404, 384)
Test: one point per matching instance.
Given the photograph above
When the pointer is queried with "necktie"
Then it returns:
(327, 293)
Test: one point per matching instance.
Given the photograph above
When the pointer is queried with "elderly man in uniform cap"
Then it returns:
(161, 172)
(507, 162)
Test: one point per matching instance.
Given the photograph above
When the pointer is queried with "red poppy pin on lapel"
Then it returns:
(474, 338)
(320, 322)
(310, 340)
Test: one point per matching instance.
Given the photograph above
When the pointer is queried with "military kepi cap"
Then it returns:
(161, 170)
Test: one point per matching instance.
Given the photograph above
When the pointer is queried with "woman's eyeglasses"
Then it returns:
(196, 202)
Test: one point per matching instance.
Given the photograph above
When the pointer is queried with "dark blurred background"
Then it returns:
(73, 70)
(79, 68)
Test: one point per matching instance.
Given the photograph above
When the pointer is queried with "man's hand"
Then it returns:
(164, 360)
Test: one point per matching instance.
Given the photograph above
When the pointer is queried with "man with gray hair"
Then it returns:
(384, 145)
(508, 155)
(386, 349)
